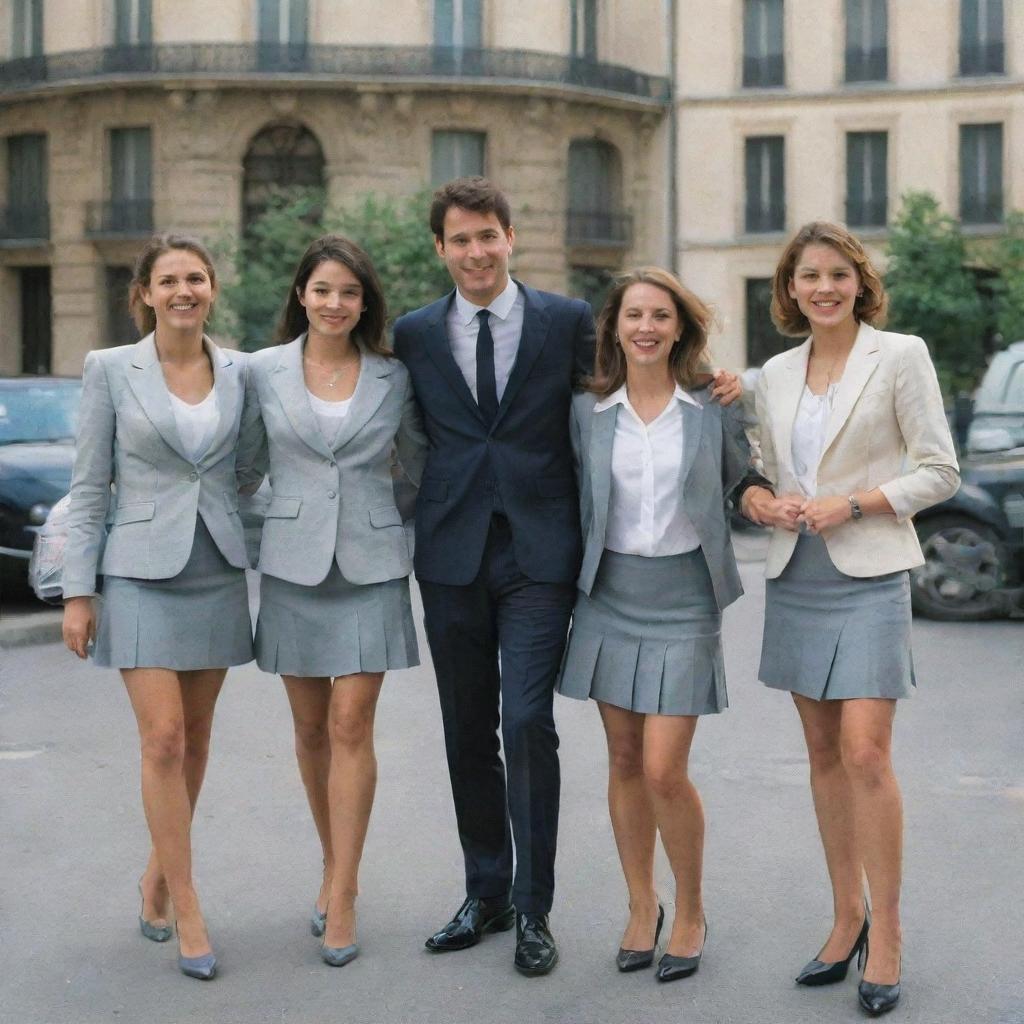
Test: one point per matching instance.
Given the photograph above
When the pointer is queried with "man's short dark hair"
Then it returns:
(476, 194)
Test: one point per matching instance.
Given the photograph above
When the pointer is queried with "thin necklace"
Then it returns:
(335, 375)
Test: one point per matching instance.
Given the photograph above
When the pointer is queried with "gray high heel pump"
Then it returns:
(201, 967)
(153, 932)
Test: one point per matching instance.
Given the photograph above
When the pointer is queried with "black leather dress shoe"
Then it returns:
(536, 952)
(471, 922)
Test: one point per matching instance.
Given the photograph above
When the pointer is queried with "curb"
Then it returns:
(42, 627)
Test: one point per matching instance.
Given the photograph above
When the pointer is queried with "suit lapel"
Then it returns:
(436, 343)
(860, 364)
(289, 383)
(146, 380)
(371, 390)
(599, 455)
(536, 321)
(227, 393)
(785, 395)
(693, 426)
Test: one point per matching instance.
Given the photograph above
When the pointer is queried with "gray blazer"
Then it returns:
(715, 457)
(329, 504)
(127, 436)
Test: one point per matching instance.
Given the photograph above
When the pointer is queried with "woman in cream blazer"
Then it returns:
(854, 440)
(159, 422)
(325, 410)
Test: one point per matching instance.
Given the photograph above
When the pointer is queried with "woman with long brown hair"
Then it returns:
(657, 460)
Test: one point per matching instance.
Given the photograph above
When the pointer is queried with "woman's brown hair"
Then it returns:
(369, 332)
(870, 306)
(688, 358)
(143, 315)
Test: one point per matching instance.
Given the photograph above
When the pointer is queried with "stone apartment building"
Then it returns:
(697, 134)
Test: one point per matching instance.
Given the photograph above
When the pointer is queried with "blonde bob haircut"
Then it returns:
(688, 360)
(870, 306)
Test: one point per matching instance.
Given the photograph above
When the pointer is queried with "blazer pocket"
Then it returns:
(283, 508)
(434, 490)
(388, 515)
(136, 512)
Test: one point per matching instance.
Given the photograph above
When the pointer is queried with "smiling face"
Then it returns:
(648, 325)
(824, 286)
(476, 249)
(333, 300)
(180, 290)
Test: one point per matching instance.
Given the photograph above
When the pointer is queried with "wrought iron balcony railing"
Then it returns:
(982, 58)
(25, 223)
(334, 62)
(599, 227)
(119, 218)
(867, 213)
(867, 65)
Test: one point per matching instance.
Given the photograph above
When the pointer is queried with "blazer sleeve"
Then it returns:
(252, 456)
(737, 474)
(90, 481)
(583, 346)
(576, 440)
(763, 457)
(934, 475)
(411, 441)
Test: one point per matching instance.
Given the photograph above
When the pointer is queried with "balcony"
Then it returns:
(23, 225)
(119, 218)
(332, 64)
(867, 213)
(599, 228)
(982, 59)
(867, 65)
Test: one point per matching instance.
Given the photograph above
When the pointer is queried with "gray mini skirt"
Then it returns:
(648, 637)
(829, 636)
(335, 628)
(197, 619)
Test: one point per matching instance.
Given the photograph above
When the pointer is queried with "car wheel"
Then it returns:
(966, 570)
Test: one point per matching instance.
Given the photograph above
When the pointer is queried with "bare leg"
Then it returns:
(156, 697)
(632, 816)
(680, 818)
(878, 811)
(353, 781)
(834, 806)
(199, 692)
(310, 700)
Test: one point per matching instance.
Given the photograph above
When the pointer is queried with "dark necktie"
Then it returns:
(486, 388)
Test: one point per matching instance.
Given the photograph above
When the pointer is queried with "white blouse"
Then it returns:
(329, 415)
(809, 430)
(646, 509)
(196, 423)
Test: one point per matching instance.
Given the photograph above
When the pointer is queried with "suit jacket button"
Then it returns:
(193, 476)
(333, 465)
(332, 494)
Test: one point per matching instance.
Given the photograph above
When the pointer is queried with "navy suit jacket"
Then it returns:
(526, 453)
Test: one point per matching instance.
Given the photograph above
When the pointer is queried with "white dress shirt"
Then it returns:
(506, 323)
(196, 423)
(646, 509)
(809, 430)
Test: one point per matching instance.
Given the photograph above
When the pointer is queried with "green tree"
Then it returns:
(1009, 286)
(932, 293)
(393, 231)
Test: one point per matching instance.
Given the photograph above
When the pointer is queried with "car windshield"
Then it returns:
(38, 411)
(1002, 388)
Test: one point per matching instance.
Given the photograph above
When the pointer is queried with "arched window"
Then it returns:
(595, 215)
(285, 155)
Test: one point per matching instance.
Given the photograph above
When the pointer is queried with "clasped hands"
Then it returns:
(794, 512)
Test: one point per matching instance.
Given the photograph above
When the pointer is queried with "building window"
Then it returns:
(763, 63)
(981, 37)
(456, 155)
(763, 340)
(459, 24)
(283, 33)
(27, 215)
(133, 22)
(867, 31)
(27, 28)
(766, 184)
(281, 156)
(594, 202)
(583, 18)
(981, 173)
(591, 284)
(121, 329)
(867, 197)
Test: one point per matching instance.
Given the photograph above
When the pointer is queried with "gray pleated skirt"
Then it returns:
(648, 637)
(197, 619)
(829, 636)
(336, 628)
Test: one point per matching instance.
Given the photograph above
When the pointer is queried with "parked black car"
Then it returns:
(38, 416)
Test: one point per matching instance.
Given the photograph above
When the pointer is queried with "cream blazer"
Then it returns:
(887, 429)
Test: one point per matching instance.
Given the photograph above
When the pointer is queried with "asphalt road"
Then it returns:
(72, 844)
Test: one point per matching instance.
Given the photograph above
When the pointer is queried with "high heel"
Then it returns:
(318, 922)
(672, 968)
(153, 932)
(338, 956)
(817, 972)
(636, 959)
(202, 967)
(877, 999)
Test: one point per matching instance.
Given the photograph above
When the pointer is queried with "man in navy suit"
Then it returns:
(498, 549)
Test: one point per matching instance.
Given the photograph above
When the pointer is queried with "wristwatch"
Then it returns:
(856, 512)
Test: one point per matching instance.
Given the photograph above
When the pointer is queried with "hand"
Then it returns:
(79, 624)
(819, 514)
(760, 506)
(726, 387)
